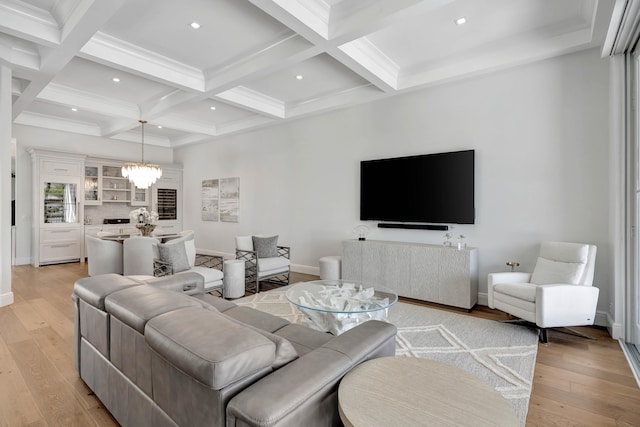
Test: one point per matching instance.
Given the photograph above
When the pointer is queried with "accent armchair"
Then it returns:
(559, 292)
(264, 260)
(178, 256)
(103, 256)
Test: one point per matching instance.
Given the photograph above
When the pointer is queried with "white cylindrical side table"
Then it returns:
(330, 267)
(233, 280)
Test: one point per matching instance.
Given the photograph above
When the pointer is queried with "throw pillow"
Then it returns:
(175, 254)
(265, 247)
(549, 272)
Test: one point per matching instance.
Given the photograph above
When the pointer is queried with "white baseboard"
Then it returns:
(6, 299)
(483, 299)
(22, 261)
(615, 329)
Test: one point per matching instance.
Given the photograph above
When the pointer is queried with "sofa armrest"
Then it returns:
(189, 283)
(162, 268)
(565, 305)
(284, 251)
(304, 392)
(504, 277)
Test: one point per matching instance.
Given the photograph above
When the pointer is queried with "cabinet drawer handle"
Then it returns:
(61, 246)
(61, 231)
(61, 170)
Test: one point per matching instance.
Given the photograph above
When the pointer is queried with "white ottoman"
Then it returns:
(233, 280)
(330, 267)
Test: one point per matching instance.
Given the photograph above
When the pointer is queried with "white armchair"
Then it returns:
(268, 262)
(139, 253)
(559, 292)
(103, 256)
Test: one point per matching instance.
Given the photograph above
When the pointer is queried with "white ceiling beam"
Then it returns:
(493, 57)
(18, 57)
(24, 21)
(254, 101)
(116, 53)
(333, 101)
(279, 54)
(161, 103)
(77, 33)
(118, 125)
(366, 60)
(64, 95)
(149, 139)
(185, 125)
(57, 123)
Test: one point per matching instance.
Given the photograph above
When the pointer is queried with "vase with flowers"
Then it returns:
(144, 220)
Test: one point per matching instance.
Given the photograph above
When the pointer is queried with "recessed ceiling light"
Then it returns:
(115, 79)
(74, 109)
(194, 25)
(159, 127)
(460, 21)
(212, 108)
(299, 77)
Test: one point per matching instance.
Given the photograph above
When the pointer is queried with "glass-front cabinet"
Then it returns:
(139, 196)
(92, 184)
(115, 187)
(60, 202)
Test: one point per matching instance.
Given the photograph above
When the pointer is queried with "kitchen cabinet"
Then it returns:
(115, 188)
(92, 185)
(58, 207)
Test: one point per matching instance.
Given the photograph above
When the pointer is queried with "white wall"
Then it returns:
(540, 132)
(32, 137)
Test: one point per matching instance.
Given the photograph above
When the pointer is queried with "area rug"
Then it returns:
(501, 354)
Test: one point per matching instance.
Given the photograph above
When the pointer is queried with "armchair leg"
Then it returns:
(543, 336)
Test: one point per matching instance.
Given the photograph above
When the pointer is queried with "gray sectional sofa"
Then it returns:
(163, 353)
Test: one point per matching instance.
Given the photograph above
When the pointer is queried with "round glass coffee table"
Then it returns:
(336, 306)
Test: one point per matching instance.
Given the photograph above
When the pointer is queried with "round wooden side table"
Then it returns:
(408, 391)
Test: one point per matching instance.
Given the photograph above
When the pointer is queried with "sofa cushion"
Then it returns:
(244, 243)
(136, 306)
(265, 247)
(274, 264)
(285, 351)
(208, 346)
(95, 289)
(174, 253)
(522, 291)
(547, 272)
(303, 338)
(259, 319)
(215, 303)
(209, 275)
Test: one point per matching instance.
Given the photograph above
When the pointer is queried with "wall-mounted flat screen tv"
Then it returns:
(431, 188)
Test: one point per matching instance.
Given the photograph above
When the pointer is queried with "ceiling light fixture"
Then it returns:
(460, 21)
(159, 127)
(115, 79)
(142, 174)
(74, 109)
(299, 77)
(194, 25)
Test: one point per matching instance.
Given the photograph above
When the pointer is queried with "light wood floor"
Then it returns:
(577, 382)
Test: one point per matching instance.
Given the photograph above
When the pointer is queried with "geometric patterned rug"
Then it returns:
(501, 354)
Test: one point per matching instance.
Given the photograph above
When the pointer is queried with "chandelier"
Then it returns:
(142, 174)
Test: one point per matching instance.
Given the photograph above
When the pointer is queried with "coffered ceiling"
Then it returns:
(255, 63)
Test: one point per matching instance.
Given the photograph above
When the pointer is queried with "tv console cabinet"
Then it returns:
(434, 273)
